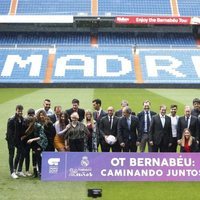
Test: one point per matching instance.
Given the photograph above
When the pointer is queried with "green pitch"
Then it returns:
(34, 189)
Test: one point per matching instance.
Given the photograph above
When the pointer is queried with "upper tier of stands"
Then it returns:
(121, 39)
(136, 7)
(102, 8)
(189, 8)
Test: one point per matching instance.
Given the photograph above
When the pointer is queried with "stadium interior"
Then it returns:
(93, 43)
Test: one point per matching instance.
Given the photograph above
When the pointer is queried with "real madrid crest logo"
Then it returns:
(84, 161)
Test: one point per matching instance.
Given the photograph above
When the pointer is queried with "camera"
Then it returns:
(94, 193)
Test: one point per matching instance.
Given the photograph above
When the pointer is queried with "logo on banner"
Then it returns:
(83, 170)
(53, 165)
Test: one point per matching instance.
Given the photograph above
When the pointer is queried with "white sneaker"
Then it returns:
(28, 173)
(21, 174)
(14, 175)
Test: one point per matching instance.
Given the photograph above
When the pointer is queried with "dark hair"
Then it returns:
(19, 107)
(75, 101)
(127, 110)
(66, 117)
(97, 101)
(196, 100)
(173, 105)
(31, 111)
(47, 100)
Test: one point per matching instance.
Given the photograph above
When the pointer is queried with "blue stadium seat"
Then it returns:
(189, 8)
(52, 7)
(136, 7)
(4, 7)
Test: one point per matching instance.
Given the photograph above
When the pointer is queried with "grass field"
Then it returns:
(28, 188)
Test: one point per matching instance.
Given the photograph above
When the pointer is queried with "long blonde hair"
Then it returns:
(183, 138)
(85, 119)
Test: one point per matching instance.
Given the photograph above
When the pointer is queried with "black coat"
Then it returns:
(194, 126)
(105, 126)
(159, 134)
(123, 132)
(81, 113)
(141, 117)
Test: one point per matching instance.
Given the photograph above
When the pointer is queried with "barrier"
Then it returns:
(86, 166)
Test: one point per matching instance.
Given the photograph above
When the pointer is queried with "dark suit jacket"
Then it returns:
(141, 117)
(123, 131)
(105, 126)
(102, 114)
(81, 113)
(119, 113)
(193, 147)
(194, 126)
(157, 133)
(52, 118)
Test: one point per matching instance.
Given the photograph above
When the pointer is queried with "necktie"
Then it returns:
(148, 121)
(187, 121)
(129, 123)
(97, 114)
(110, 120)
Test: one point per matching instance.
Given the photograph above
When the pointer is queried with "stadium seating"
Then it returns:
(45, 38)
(139, 39)
(23, 65)
(52, 7)
(4, 7)
(189, 8)
(147, 39)
(136, 7)
(100, 65)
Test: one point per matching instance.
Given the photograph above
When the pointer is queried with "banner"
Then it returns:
(167, 20)
(57, 166)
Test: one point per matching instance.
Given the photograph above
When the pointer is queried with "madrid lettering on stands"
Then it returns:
(156, 65)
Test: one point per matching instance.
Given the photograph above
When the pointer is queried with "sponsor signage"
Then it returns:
(120, 166)
(165, 20)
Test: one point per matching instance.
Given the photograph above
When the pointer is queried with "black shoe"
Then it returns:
(35, 173)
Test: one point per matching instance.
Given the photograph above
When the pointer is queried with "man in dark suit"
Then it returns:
(55, 116)
(75, 108)
(145, 117)
(108, 126)
(128, 131)
(188, 121)
(97, 115)
(119, 113)
(160, 132)
(196, 107)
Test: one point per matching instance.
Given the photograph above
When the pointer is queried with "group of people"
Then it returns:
(79, 130)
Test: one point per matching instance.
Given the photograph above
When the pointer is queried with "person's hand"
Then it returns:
(68, 126)
(179, 142)
(151, 143)
(67, 148)
(137, 143)
(105, 137)
(23, 137)
(122, 144)
(170, 144)
(30, 141)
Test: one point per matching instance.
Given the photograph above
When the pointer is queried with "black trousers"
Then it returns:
(162, 147)
(130, 146)
(76, 145)
(173, 147)
(105, 147)
(15, 161)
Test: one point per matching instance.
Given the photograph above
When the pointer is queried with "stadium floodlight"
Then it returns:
(94, 193)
